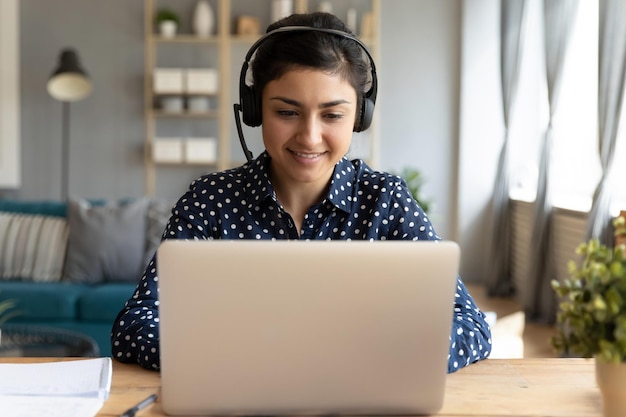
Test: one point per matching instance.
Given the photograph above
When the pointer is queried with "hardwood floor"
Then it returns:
(512, 336)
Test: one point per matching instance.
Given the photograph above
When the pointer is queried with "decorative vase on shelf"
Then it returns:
(203, 19)
(325, 6)
(281, 8)
(351, 19)
(611, 380)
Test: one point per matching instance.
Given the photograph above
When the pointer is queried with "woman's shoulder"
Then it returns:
(369, 177)
(226, 178)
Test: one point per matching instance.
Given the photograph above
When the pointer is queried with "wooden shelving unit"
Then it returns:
(228, 50)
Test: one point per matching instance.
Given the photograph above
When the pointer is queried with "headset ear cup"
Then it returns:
(367, 113)
(250, 113)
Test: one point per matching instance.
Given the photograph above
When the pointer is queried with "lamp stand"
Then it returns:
(69, 82)
(65, 148)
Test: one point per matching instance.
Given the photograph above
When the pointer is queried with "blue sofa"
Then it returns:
(73, 264)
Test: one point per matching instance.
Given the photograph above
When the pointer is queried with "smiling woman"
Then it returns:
(9, 96)
(314, 85)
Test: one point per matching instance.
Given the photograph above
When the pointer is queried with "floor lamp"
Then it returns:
(69, 82)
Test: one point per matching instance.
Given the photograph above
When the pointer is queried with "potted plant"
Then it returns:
(415, 182)
(167, 21)
(592, 316)
(6, 312)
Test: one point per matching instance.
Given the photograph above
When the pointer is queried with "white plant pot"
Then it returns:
(168, 28)
(611, 379)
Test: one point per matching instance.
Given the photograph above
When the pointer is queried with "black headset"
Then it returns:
(250, 100)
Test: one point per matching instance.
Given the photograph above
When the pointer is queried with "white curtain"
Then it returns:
(511, 43)
(559, 17)
(611, 73)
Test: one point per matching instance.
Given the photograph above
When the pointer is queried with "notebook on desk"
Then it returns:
(305, 327)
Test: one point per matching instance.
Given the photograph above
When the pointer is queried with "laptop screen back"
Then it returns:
(305, 327)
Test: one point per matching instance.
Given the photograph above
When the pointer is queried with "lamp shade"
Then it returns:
(69, 82)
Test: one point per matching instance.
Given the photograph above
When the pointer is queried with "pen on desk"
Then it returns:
(143, 404)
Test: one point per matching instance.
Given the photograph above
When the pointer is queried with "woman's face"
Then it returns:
(308, 118)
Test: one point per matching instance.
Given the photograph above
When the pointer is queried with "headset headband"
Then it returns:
(283, 29)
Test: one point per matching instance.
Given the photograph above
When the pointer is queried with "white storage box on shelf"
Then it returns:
(201, 81)
(169, 81)
(167, 150)
(201, 150)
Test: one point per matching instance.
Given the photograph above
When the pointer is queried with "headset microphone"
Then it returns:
(246, 151)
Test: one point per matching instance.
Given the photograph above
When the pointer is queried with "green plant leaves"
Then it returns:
(617, 269)
(5, 310)
(415, 181)
(166, 14)
(592, 311)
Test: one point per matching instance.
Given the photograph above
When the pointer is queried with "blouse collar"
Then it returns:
(259, 186)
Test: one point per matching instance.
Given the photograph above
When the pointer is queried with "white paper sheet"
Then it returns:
(19, 406)
(67, 388)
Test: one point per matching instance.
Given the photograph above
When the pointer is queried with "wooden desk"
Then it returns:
(495, 387)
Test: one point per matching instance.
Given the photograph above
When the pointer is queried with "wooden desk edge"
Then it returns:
(493, 387)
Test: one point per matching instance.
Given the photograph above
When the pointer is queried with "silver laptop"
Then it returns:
(305, 327)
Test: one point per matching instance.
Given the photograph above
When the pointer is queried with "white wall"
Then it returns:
(418, 105)
(9, 95)
(439, 97)
(481, 131)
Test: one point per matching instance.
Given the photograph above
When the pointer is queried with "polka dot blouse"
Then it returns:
(240, 203)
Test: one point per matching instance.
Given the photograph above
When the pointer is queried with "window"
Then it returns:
(575, 166)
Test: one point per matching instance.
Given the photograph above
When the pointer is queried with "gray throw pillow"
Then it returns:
(106, 242)
(159, 212)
